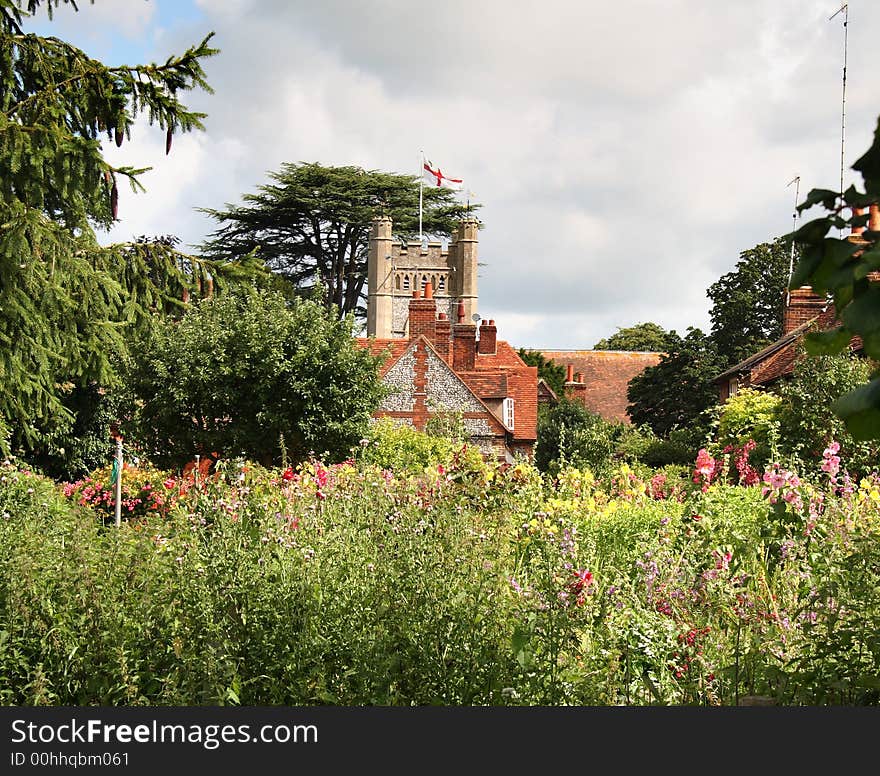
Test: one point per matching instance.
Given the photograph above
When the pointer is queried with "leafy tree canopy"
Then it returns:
(807, 422)
(570, 434)
(66, 302)
(747, 304)
(676, 392)
(311, 224)
(843, 268)
(249, 373)
(641, 337)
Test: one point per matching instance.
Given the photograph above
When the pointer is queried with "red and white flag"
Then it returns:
(437, 178)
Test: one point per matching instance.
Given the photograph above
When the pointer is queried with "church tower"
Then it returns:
(395, 270)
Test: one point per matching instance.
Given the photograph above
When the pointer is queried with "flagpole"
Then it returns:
(421, 183)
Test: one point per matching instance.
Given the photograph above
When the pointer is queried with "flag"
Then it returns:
(437, 178)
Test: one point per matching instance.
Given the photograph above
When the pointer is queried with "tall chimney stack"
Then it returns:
(488, 338)
(422, 314)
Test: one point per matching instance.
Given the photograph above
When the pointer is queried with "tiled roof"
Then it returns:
(486, 385)
(606, 376)
(395, 347)
(746, 365)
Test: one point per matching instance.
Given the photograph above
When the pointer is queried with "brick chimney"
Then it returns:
(422, 314)
(442, 334)
(464, 343)
(874, 218)
(857, 230)
(488, 338)
(803, 305)
(575, 387)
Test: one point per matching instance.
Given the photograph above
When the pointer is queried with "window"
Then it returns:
(732, 386)
(442, 283)
(397, 282)
(406, 282)
(507, 408)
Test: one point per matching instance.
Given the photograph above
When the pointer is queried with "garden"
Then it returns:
(433, 577)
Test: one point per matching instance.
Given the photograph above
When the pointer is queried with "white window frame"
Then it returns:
(507, 409)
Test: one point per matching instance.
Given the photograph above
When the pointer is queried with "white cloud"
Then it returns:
(625, 153)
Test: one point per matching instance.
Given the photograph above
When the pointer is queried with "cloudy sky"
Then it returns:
(625, 152)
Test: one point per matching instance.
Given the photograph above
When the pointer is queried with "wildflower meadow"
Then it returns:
(460, 583)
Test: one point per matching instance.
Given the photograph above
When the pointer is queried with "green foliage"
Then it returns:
(747, 304)
(842, 268)
(570, 434)
(67, 304)
(344, 585)
(806, 419)
(676, 392)
(240, 370)
(641, 337)
(552, 373)
(749, 414)
(402, 448)
(311, 224)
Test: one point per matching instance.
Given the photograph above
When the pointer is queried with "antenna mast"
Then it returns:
(845, 9)
(797, 190)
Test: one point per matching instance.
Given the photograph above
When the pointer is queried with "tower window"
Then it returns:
(406, 282)
(397, 282)
(441, 284)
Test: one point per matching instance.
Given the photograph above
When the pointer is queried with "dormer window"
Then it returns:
(507, 411)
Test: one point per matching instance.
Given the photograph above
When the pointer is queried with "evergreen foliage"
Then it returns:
(67, 303)
(311, 224)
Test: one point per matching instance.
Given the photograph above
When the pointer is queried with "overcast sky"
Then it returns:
(625, 152)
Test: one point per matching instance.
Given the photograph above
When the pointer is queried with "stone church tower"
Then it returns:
(395, 270)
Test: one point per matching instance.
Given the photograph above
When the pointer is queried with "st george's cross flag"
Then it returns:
(437, 178)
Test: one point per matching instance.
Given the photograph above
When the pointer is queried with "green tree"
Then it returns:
(552, 373)
(846, 269)
(67, 303)
(241, 370)
(570, 434)
(807, 422)
(676, 392)
(311, 224)
(747, 304)
(641, 337)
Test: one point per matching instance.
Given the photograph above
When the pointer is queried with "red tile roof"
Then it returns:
(395, 348)
(606, 376)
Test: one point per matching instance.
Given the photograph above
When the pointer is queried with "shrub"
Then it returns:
(571, 434)
(806, 421)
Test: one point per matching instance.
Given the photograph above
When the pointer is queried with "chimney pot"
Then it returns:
(460, 312)
(569, 373)
(429, 290)
(417, 294)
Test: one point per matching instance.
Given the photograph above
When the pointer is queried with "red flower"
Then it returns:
(287, 475)
(582, 578)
